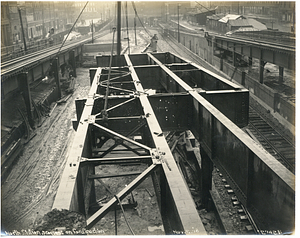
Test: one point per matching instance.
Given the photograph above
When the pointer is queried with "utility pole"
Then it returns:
(119, 28)
(127, 27)
(135, 30)
(178, 24)
(23, 34)
(92, 32)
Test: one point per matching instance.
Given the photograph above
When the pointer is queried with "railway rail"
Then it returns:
(19, 63)
(273, 141)
(282, 38)
(265, 43)
(287, 45)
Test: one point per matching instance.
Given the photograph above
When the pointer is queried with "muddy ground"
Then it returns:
(29, 191)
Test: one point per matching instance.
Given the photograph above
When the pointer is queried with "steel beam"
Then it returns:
(121, 195)
(115, 159)
(121, 136)
(284, 56)
(188, 220)
(220, 138)
(66, 193)
(23, 85)
(55, 64)
(98, 176)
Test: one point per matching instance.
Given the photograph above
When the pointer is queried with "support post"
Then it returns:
(92, 32)
(250, 61)
(23, 34)
(119, 28)
(56, 76)
(234, 56)
(243, 78)
(261, 67)
(25, 89)
(178, 23)
(206, 174)
(135, 30)
(221, 63)
(261, 71)
(281, 69)
(73, 62)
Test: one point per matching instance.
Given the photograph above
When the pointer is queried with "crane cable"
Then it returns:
(71, 28)
(134, 8)
(126, 9)
(62, 44)
(104, 112)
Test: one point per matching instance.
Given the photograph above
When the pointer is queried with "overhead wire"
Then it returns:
(71, 28)
(134, 8)
(126, 9)
(62, 44)
(206, 8)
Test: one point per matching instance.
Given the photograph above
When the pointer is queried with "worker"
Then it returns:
(154, 40)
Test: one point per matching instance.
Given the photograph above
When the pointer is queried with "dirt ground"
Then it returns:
(29, 190)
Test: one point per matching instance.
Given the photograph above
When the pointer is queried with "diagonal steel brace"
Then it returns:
(121, 136)
(121, 195)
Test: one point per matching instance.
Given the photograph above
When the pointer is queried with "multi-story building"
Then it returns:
(94, 10)
(38, 18)
(11, 31)
(6, 35)
(281, 11)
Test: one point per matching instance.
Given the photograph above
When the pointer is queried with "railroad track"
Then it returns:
(286, 42)
(260, 42)
(272, 140)
(10, 66)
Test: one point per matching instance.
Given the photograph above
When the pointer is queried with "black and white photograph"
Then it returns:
(122, 118)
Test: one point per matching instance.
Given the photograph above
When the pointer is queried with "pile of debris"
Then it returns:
(63, 220)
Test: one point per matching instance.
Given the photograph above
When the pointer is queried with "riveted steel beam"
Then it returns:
(186, 217)
(121, 136)
(121, 195)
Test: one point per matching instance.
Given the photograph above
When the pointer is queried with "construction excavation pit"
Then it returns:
(153, 155)
(151, 125)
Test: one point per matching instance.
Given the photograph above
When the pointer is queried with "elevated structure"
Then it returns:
(278, 54)
(120, 108)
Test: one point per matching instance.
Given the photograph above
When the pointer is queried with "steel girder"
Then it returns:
(220, 138)
(130, 105)
(252, 171)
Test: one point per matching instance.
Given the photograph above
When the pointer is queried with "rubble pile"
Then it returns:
(68, 220)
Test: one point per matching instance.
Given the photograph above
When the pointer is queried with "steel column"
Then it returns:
(206, 177)
(72, 61)
(119, 28)
(281, 69)
(25, 90)
(56, 67)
